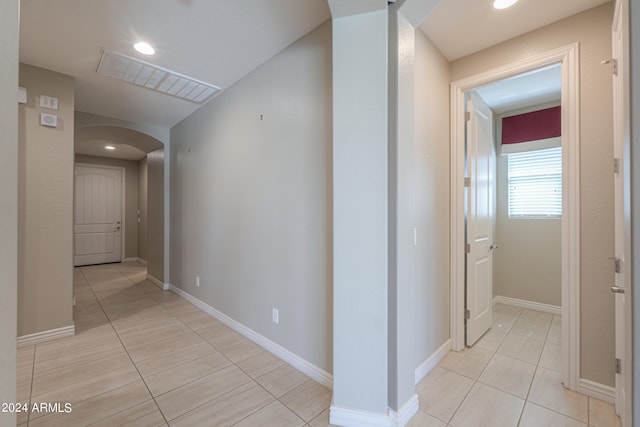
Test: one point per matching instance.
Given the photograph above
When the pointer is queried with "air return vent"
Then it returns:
(141, 73)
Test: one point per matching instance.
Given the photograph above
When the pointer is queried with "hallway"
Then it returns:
(146, 357)
(511, 377)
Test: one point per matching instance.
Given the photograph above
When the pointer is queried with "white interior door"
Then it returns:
(619, 114)
(480, 211)
(98, 215)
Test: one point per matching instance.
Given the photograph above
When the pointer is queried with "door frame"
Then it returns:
(568, 56)
(123, 173)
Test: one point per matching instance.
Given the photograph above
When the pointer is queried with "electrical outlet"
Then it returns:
(197, 281)
(275, 314)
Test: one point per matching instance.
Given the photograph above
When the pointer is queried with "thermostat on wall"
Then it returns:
(22, 95)
(50, 120)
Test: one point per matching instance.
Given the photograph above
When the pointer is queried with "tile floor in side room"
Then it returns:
(146, 357)
(511, 377)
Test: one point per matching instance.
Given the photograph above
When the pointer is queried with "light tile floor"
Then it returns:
(511, 377)
(144, 357)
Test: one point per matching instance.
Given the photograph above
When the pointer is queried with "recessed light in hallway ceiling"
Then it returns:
(140, 73)
(144, 48)
(503, 4)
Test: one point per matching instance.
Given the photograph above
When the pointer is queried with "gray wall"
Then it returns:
(250, 199)
(45, 205)
(592, 29)
(131, 198)
(8, 203)
(528, 261)
(143, 225)
(155, 214)
(432, 198)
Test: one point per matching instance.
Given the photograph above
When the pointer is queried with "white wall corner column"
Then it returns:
(402, 221)
(360, 329)
(374, 211)
(9, 31)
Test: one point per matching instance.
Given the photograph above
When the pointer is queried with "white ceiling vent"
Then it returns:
(141, 73)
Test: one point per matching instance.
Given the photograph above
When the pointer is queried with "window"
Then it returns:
(535, 184)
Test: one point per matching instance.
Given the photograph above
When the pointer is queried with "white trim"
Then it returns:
(44, 336)
(347, 417)
(568, 56)
(597, 390)
(402, 417)
(291, 358)
(135, 259)
(432, 361)
(163, 286)
(530, 305)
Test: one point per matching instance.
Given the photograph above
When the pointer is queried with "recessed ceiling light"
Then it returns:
(144, 48)
(503, 4)
(109, 147)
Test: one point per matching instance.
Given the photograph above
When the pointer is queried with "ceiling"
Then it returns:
(214, 41)
(219, 42)
(461, 27)
(524, 90)
(128, 144)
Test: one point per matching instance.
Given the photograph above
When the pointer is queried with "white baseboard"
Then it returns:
(404, 415)
(597, 390)
(44, 336)
(432, 361)
(547, 308)
(161, 285)
(357, 418)
(309, 369)
(135, 259)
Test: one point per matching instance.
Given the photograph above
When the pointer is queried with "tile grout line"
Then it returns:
(125, 349)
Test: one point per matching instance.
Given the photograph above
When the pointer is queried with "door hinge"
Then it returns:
(467, 314)
(614, 63)
(616, 165)
(467, 248)
(467, 182)
(618, 366)
(617, 264)
(467, 116)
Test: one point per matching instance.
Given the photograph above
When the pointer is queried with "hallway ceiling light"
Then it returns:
(109, 147)
(503, 4)
(144, 48)
(144, 74)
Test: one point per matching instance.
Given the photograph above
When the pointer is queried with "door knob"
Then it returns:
(617, 290)
(493, 246)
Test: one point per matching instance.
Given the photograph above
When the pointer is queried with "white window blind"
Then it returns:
(535, 184)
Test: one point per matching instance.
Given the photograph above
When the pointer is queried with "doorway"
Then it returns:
(567, 57)
(98, 213)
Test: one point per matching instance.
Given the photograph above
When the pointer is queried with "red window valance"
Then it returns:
(541, 124)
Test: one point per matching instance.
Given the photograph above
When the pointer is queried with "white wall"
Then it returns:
(143, 225)
(251, 199)
(592, 29)
(528, 261)
(45, 228)
(155, 214)
(9, 23)
(432, 198)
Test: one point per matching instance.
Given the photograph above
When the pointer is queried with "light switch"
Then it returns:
(48, 102)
